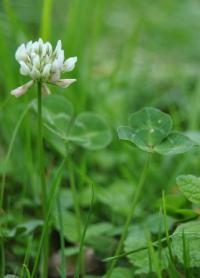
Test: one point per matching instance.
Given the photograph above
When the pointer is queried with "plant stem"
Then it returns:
(75, 197)
(40, 149)
(42, 177)
(130, 215)
(80, 256)
(52, 195)
(63, 273)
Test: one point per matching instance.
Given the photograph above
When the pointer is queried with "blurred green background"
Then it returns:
(131, 54)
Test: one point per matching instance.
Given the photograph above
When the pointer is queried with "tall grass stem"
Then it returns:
(130, 214)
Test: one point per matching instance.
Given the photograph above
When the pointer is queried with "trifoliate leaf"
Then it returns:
(150, 130)
(90, 131)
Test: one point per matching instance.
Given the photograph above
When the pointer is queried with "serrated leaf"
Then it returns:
(90, 131)
(191, 232)
(189, 185)
(175, 143)
(135, 240)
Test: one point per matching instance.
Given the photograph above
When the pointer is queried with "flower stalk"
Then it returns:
(42, 177)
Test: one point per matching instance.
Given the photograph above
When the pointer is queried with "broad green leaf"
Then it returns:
(189, 185)
(175, 207)
(22, 229)
(191, 232)
(150, 130)
(135, 240)
(57, 113)
(70, 226)
(94, 230)
(90, 131)
(182, 214)
(175, 143)
(111, 197)
(121, 272)
(147, 128)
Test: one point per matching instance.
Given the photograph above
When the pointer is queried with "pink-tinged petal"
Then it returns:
(45, 90)
(22, 89)
(55, 76)
(64, 83)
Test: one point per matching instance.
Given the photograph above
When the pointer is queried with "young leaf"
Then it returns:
(189, 185)
(175, 143)
(90, 131)
(192, 236)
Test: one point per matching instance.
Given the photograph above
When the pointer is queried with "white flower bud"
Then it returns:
(69, 64)
(20, 53)
(24, 70)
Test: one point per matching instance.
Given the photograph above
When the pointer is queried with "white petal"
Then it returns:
(22, 89)
(20, 53)
(35, 74)
(58, 46)
(45, 90)
(64, 83)
(69, 64)
(40, 41)
(35, 46)
(55, 65)
(46, 70)
(24, 69)
(60, 59)
(36, 61)
(48, 48)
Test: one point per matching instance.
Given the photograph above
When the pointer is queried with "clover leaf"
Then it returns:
(150, 130)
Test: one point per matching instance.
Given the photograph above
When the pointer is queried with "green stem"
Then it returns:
(130, 215)
(52, 195)
(40, 149)
(80, 256)
(75, 199)
(42, 177)
(62, 240)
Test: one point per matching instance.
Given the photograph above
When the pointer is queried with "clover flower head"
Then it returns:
(39, 61)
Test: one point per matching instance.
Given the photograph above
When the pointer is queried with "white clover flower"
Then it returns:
(43, 64)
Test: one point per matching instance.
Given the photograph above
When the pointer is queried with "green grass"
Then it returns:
(131, 54)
